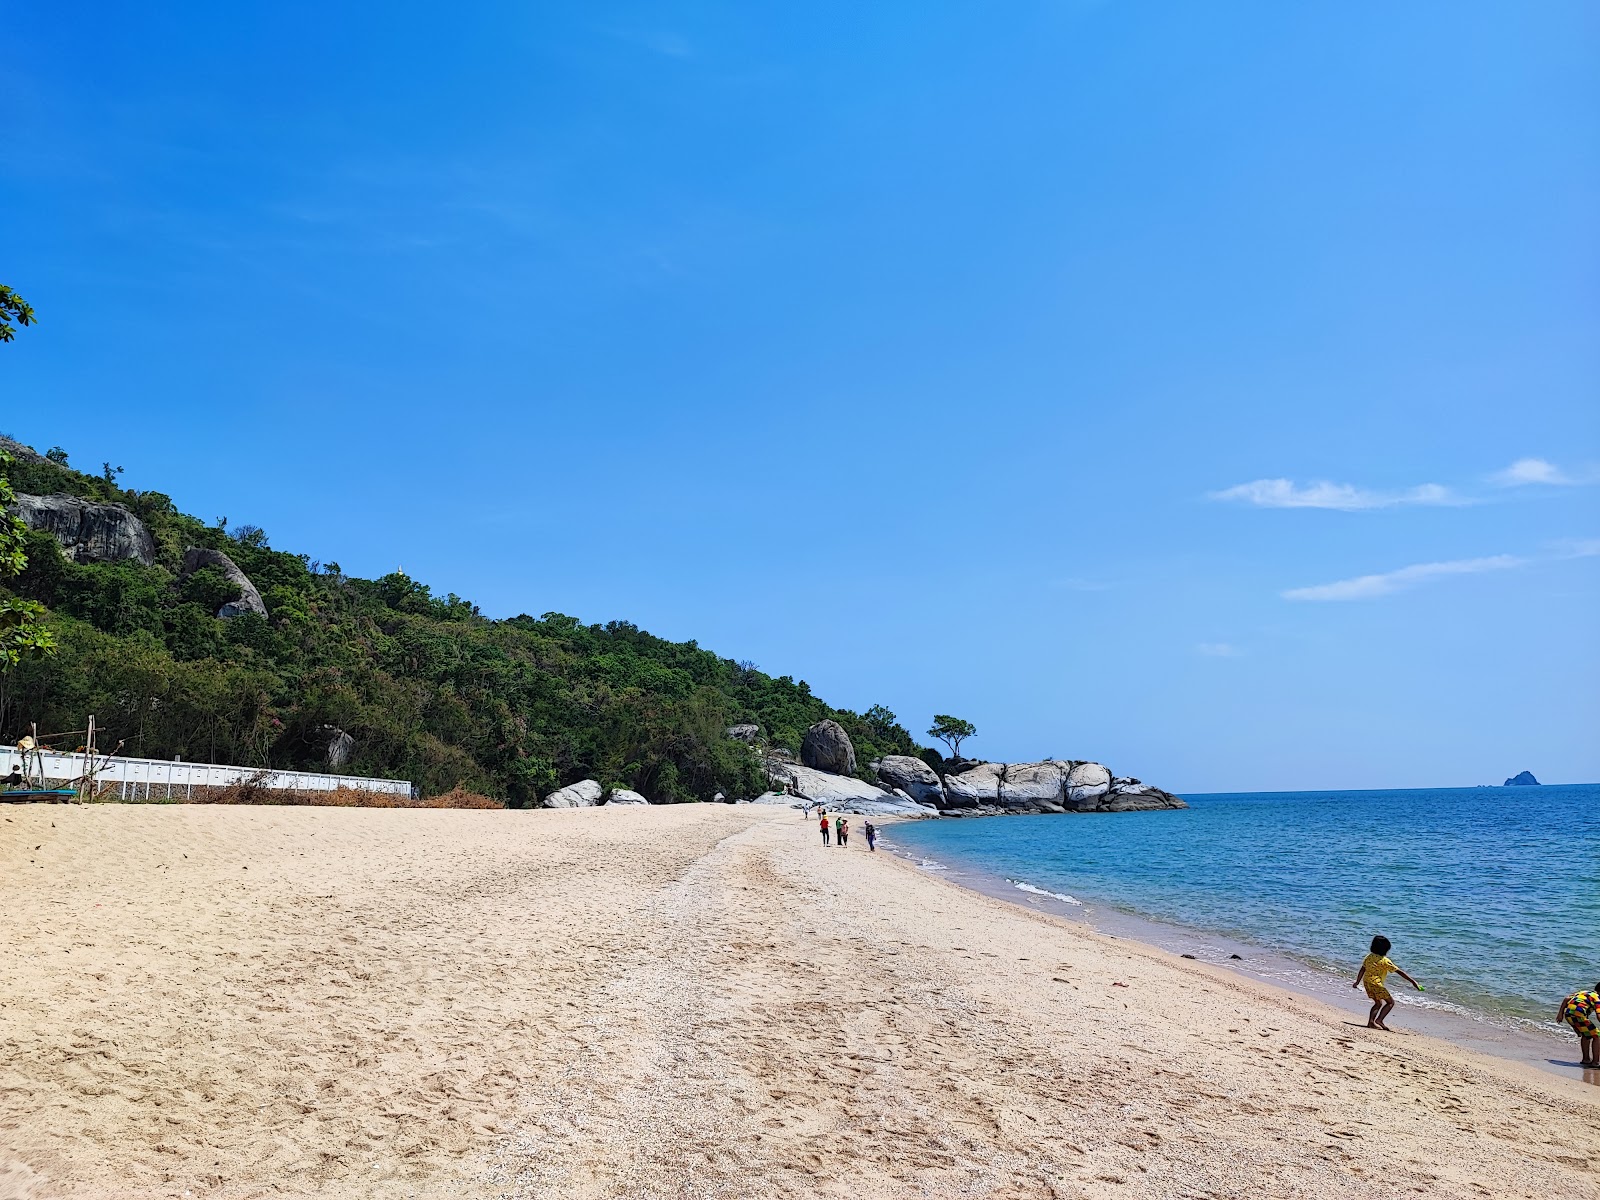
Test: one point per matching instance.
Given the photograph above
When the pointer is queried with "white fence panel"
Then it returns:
(138, 778)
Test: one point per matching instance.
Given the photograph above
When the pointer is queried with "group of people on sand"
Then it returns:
(841, 830)
(1581, 1010)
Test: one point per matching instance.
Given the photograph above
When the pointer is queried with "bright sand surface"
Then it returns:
(670, 1002)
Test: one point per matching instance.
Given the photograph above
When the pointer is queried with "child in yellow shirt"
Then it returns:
(1374, 970)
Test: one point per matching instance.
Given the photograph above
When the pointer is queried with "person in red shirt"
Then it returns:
(822, 824)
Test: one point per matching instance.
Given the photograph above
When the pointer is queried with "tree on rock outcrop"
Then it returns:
(952, 731)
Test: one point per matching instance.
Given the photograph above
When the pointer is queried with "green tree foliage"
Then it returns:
(22, 628)
(13, 308)
(430, 689)
(952, 731)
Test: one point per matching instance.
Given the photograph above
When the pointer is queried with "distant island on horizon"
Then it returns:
(1521, 779)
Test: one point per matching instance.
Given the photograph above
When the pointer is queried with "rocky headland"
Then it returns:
(911, 787)
(826, 773)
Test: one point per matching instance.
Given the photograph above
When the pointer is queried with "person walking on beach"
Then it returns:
(1375, 968)
(822, 824)
(1581, 1010)
(871, 831)
(841, 831)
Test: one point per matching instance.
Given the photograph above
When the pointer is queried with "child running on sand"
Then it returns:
(1374, 969)
(1581, 1010)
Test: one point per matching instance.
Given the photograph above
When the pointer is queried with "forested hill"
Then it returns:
(426, 686)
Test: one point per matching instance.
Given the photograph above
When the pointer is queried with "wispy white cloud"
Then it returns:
(1348, 497)
(1285, 493)
(1526, 471)
(1218, 650)
(1364, 587)
(1576, 548)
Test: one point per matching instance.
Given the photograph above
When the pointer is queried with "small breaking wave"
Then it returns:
(1038, 891)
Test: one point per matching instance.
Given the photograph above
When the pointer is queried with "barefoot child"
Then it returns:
(1374, 969)
(1581, 1010)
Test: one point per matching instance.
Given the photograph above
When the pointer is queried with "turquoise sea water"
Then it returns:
(1490, 895)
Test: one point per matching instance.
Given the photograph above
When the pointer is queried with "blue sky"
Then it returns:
(1207, 389)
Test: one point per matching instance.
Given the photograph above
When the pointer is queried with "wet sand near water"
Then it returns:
(668, 1002)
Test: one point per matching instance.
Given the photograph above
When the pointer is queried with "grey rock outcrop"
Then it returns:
(978, 785)
(1034, 787)
(1521, 779)
(248, 599)
(20, 452)
(827, 747)
(901, 772)
(1087, 783)
(89, 532)
(746, 733)
(862, 800)
(624, 796)
(823, 786)
(340, 745)
(583, 794)
(1129, 795)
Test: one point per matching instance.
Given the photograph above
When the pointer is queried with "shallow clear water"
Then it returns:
(1490, 895)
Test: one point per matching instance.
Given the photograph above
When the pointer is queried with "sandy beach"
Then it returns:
(671, 1002)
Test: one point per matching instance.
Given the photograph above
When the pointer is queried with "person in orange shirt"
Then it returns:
(1375, 968)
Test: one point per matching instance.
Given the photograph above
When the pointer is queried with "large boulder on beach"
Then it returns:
(1034, 786)
(585, 793)
(624, 796)
(978, 785)
(901, 772)
(88, 532)
(805, 788)
(823, 786)
(1087, 782)
(196, 558)
(827, 747)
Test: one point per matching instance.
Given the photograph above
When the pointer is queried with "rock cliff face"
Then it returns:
(248, 600)
(89, 532)
(1521, 779)
(827, 747)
